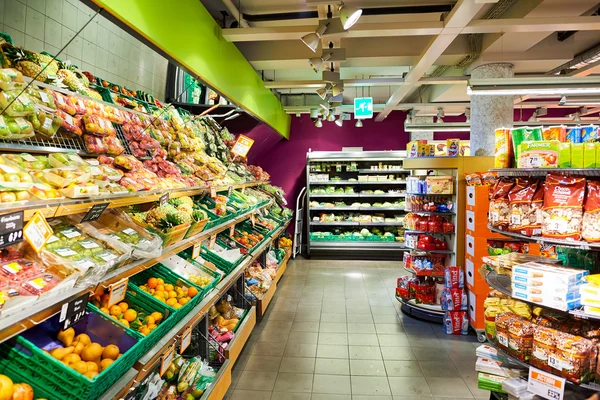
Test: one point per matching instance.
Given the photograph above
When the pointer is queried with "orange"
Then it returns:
(105, 310)
(183, 300)
(115, 310)
(124, 322)
(152, 282)
(160, 288)
(149, 320)
(144, 330)
(192, 291)
(160, 281)
(169, 287)
(124, 306)
(152, 327)
(115, 317)
(172, 294)
(172, 302)
(105, 363)
(130, 315)
(157, 316)
(177, 306)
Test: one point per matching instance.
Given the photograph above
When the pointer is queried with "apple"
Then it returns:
(38, 174)
(22, 391)
(38, 192)
(22, 195)
(7, 197)
(25, 177)
(12, 178)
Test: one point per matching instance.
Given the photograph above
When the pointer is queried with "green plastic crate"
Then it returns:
(187, 255)
(168, 276)
(24, 356)
(138, 301)
(220, 263)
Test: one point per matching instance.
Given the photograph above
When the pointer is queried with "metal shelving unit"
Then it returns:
(348, 169)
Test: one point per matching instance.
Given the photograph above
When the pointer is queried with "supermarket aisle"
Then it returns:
(334, 332)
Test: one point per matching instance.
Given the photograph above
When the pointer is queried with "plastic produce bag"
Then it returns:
(194, 377)
(272, 260)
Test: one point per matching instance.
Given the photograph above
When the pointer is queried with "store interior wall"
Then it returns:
(102, 48)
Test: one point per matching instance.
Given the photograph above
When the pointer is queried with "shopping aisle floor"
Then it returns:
(335, 331)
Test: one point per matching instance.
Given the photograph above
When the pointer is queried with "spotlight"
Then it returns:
(349, 15)
(339, 122)
(323, 91)
(562, 101)
(312, 39)
(319, 123)
(331, 116)
(577, 117)
(534, 117)
(338, 88)
(468, 114)
(314, 113)
(317, 62)
(359, 123)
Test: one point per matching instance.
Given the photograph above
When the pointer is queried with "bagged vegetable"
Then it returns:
(563, 206)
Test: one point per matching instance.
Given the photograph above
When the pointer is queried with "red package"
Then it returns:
(425, 298)
(41, 284)
(563, 207)
(499, 211)
(403, 293)
(20, 269)
(456, 323)
(454, 277)
(526, 199)
(94, 144)
(70, 123)
(454, 300)
(591, 217)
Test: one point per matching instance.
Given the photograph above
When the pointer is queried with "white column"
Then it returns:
(489, 112)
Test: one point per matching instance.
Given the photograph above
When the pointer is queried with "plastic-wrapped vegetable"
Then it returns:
(11, 79)
(20, 107)
(15, 128)
(95, 144)
(42, 97)
(114, 147)
(98, 126)
(71, 123)
(45, 123)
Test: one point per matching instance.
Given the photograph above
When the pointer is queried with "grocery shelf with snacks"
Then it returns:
(355, 204)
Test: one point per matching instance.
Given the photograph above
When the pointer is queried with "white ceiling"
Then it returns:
(374, 50)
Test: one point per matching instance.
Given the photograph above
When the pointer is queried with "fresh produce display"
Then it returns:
(10, 390)
(285, 242)
(175, 296)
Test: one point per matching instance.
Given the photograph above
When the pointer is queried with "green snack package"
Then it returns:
(564, 155)
(597, 144)
(589, 155)
(541, 154)
(576, 155)
(520, 135)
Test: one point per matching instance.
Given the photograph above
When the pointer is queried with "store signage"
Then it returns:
(363, 107)
(164, 199)
(95, 212)
(73, 311)
(196, 250)
(117, 291)
(231, 231)
(186, 339)
(212, 242)
(545, 384)
(37, 231)
(11, 228)
(242, 146)
(166, 360)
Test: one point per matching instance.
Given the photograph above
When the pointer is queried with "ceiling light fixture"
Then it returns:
(323, 91)
(349, 15)
(234, 116)
(468, 115)
(359, 123)
(318, 123)
(312, 40)
(331, 116)
(577, 117)
(316, 63)
(440, 114)
(339, 122)
(562, 101)
(534, 86)
(338, 88)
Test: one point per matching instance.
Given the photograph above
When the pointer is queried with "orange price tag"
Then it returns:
(213, 192)
(212, 242)
(37, 231)
(167, 359)
(196, 250)
(231, 230)
(117, 291)
(186, 339)
(242, 145)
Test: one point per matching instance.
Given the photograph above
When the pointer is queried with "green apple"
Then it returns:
(25, 177)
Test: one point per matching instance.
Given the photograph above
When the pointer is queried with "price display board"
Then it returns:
(117, 291)
(11, 228)
(73, 311)
(95, 212)
(545, 384)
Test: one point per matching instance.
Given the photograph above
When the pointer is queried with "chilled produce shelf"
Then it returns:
(345, 223)
(358, 195)
(356, 209)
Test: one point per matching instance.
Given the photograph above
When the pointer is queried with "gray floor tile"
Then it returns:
(303, 337)
(430, 354)
(359, 327)
(332, 366)
(295, 383)
(371, 397)
(367, 368)
(333, 338)
(298, 365)
(385, 319)
(256, 380)
(319, 396)
(361, 318)
(305, 326)
(311, 315)
(409, 386)
(389, 329)
(331, 384)
(439, 369)
(333, 327)
(250, 395)
(331, 317)
(280, 316)
(397, 340)
(273, 335)
(262, 363)
(448, 387)
(370, 386)
(290, 396)
(269, 349)
(332, 351)
(365, 353)
(398, 353)
(277, 325)
(300, 350)
(403, 368)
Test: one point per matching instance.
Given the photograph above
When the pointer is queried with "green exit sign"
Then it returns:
(363, 107)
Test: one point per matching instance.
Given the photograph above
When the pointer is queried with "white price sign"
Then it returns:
(545, 384)
(167, 359)
(117, 291)
(503, 340)
(186, 339)
(533, 161)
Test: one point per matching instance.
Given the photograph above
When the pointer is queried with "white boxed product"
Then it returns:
(543, 293)
(556, 274)
(495, 368)
(547, 289)
(557, 304)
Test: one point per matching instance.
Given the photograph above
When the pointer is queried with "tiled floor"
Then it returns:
(334, 332)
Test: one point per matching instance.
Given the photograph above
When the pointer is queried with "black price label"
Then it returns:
(11, 228)
(95, 212)
(164, 199)
(73, 311)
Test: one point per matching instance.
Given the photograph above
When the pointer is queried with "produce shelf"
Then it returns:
(412, 271)
(282, 268)
(429, 233)
(430, 212)
(382, 171)
(362, 244)
(356, 209)
(19, 321)
(350, 183)
(579, 244)
(543, 171)
(359, 195)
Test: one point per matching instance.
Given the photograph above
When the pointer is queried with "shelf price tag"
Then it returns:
(252, 220)
(11, 228)
(37, 231)
(229, 191)
(213, 192)
(231, 231)
(117, 291)
(545, 384)
(186, 339)
(212, 242)
(196, 250)
(73, 311)
(242, 146)
(95, 212)
(164, 199)
(166, 360)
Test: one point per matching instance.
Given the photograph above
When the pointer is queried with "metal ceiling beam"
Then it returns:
(587, 70)
(315, 84)
(462, 13)
(427, 28)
